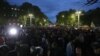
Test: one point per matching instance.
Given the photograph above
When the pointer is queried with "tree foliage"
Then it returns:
(86, 18)
(37, 18)
(66, 18)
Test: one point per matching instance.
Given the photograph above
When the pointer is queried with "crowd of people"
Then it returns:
(54, 42)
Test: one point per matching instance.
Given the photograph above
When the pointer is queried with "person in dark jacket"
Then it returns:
(3, 47)
(79, 46)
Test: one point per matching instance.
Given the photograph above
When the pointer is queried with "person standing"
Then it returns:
(3, 47)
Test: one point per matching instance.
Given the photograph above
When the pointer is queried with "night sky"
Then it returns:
(52, 7)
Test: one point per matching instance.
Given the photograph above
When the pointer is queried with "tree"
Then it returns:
(66, 18)
(85, 19)
(37, 17)
(91, 16)
(4, 11)
(95, 16)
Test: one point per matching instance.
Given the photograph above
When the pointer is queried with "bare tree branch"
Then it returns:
(90, 2)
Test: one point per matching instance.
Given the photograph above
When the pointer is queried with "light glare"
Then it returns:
(13, 31)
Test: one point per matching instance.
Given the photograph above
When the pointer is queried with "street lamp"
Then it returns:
(30, 15)
(63, 16)
(44, 20)
(73, 16)
(73, 20)
(21, 26)
(78, 13)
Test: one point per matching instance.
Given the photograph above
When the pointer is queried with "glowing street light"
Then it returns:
(73, 19)
(44, 20)
(78, 13)
(73, 16)
(63, 16)
(30, 15)
(21, 26)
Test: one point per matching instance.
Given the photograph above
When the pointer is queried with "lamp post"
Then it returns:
(25, 20)
(63, 16)
(62, 20)
(44, 20)
(30, 15)
(73, 23)
(78, 13)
